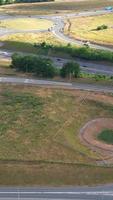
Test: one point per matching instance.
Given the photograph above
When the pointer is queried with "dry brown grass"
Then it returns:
(54, 7)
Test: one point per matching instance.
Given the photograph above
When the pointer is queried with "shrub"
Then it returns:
(102, 27)
(70, 69)
(42, 67)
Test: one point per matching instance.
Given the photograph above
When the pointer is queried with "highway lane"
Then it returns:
(57, 193)
(67, 85)
(86, 66)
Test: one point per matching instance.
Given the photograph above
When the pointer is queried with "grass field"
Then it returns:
(39, 130)
(54, 7)
(106, 136)
(25, 24)
(85, 28)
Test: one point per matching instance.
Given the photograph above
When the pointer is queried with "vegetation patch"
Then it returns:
(54, 7)
(39, 141)
(97, 29)
(106, 136)
(26, 24)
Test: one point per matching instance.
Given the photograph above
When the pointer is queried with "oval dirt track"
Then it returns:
(88, 134)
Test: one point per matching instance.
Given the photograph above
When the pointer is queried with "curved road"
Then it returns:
(58, 26)
(57, 30)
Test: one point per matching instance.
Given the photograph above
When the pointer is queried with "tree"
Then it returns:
(42, 67)
(70, 69)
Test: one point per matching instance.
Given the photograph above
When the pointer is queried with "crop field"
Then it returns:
(39, 129)
(84, 28)
(54, 7)
(25, 24)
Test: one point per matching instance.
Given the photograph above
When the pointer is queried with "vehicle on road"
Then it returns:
(109, 8)
(87, 44)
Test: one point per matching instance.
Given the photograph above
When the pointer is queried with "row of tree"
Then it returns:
(43, 67)
(77, 52)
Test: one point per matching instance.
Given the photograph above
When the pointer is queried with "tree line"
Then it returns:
(43, 67)
(77, 52)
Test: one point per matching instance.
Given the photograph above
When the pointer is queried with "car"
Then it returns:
(109, 8)
(59, 59)
(4, 53)
(87, 44)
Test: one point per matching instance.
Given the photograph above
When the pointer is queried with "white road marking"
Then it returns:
(106, 193)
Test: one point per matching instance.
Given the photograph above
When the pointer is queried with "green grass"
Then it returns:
(85, 28)
(39, 130)
(25, 24)
(31, 123)
(54, 7)
(106, 136)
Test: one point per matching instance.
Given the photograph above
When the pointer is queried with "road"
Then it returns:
(46, 83)
(86, 66)
(59, 26)
(57, 30)
(60, 193)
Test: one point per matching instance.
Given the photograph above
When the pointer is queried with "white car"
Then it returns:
(4, 53)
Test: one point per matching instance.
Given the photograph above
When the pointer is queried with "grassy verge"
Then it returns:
(25, 24)
(19, 42)
(53, 175)
(54, 7)
(85, 28)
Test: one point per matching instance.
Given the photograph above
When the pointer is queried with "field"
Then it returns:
(84, 28)
(25, 24)
(106, 135)
(54, 7)
(39, 141)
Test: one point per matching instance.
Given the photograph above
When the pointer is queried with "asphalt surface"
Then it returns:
(86, 66)
(54, 193)
(46, 83)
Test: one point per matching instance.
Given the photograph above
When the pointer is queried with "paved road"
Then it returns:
(59, 26)
(88, 87)
(86, 66)
(63, 193)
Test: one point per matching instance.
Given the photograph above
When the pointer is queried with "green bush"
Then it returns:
(102, 27)
(78, 52)
(42, 67)
(70, 70)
